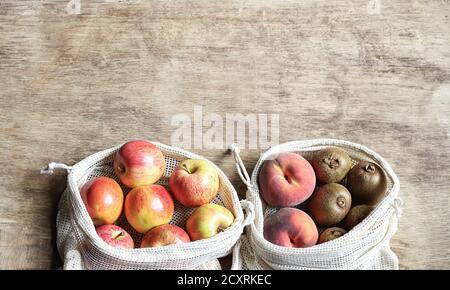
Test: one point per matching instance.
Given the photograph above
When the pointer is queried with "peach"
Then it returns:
(290, 227)
(286, 180)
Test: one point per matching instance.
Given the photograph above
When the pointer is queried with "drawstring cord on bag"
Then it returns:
(240, 165)
(236, 263)
(397, 205)
(249, 210)
(49, 169)
(247, 206)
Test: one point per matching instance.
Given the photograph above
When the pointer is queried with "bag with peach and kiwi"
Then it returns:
(320, 204)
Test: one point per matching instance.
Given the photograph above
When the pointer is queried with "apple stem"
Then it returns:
(186, 168)
(118, 234)
(121, 168)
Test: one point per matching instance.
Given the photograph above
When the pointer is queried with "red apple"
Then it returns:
(148, 206)
(286, 180)
(290, 227)
(164, 235)
(208, 220)
(139, 163)
(103, 199)
(194, 182)
(115, 236)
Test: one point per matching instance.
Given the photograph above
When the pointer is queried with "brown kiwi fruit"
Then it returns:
(331, 234)
(331, 165)
(356, 215)
(367, 183)
(329, 204)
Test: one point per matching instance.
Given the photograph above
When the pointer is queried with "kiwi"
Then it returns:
(367, 183)
(329, 204)
(356, 215)
(331, 234)
(331, 165)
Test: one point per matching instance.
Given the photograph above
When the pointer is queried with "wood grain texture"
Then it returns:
(71, 85)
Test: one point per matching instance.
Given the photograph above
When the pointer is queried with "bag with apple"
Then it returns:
(319, 204)
(146, 205)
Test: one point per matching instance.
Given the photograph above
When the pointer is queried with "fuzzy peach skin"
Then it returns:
(164, 235)
(290, 227)
(194, 182)
(287, 180)
(139, 163)
(148, 206)
(115, 236)
(208, 220)
(103, 199)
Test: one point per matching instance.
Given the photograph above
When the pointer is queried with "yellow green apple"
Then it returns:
(208, 220)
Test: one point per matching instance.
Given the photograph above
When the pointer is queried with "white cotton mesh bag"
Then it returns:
(81, 248)
(366, 246)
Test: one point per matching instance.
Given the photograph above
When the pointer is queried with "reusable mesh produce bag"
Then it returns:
(366, 246)
(81, 248)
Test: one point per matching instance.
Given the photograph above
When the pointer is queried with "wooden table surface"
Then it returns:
(373, 72)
